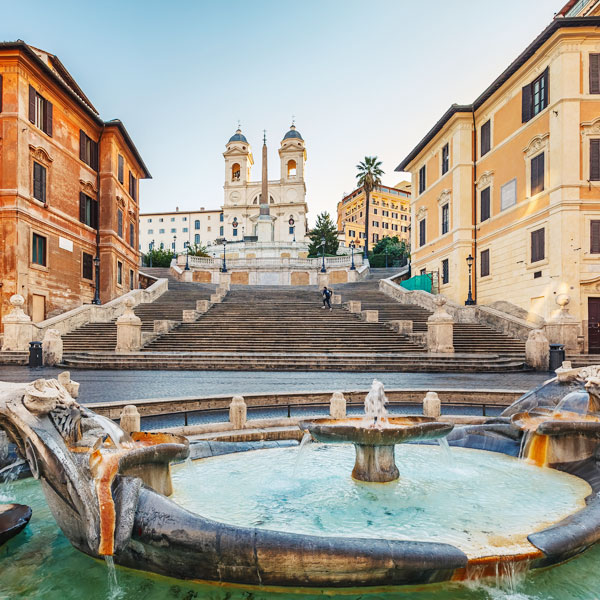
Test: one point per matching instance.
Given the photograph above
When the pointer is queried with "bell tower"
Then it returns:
(238, 160)
(292, 155)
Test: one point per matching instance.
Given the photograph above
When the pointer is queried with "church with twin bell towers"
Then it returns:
(265, 211)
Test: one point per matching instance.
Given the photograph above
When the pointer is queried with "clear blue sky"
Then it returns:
(365, 77)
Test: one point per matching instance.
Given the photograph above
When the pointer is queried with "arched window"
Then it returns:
(235, 172)
(271, 201)
(197, 224)
(255, 201)
(291, 168)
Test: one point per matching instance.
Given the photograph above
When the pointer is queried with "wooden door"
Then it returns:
(38, 308)
(594, 325)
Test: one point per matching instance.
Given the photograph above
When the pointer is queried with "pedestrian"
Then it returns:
(327, 298)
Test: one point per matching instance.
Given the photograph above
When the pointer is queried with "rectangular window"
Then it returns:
(594, 237)
(88, 210)
(537, 174)
(445, 218)
(120, 223)
(445, 271)
(235, 231)
(486, 138)
(220, 217)
(485, 263)
(508, 194)
(121, 169)
(119, 273)
(88, 150)
(173, 230)
(594, 73)
(220, 230)
(38, 252)
(291, 230)
(538, 250)
(39, 182)
(197, 224)
(172, 219)
(422, 174)
(197, 238)
(485, 204)
(595, 160)
(150, 231)
(185, 229)
(87, 266)
(161, 231)
(160, 220)
(534, 97)
(131, 235)
(422, 231)
(130, 279)
(40, 111)
(132, 186)
(375, 237)
(445, 158)
(374, 211)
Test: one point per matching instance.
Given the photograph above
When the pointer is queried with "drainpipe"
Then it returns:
(97, 269)
(474, 207)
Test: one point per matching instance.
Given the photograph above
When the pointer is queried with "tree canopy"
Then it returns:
(325, 227)
(369, 173)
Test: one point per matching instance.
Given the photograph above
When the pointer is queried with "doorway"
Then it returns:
(38, 308)
(594, 325)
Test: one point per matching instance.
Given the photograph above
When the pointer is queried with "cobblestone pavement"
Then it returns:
(105, 386)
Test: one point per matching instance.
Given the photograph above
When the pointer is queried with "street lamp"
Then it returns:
(224, 267)
(187, 258)
(323, 269)
(151, 248)
(469, 301)
(352, 246)
(96, 299)
(174, 246)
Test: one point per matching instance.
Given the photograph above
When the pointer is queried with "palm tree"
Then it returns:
(369, 177)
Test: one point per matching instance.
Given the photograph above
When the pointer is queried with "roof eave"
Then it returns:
(119, 125)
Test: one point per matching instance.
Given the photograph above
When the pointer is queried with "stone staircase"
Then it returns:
(102, 337)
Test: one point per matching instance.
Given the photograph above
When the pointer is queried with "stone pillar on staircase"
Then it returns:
(337, 406)
(238, 412)
(322, 280)
(202, 305)
(432, 406)
(440, 329)
(562, 327)
(225, 280)
(353, 306)
(130, 419)
(18, 330)
(129, 330)
(537, 350)
(52, 348)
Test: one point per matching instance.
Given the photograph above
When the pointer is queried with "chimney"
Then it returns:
(177, 209)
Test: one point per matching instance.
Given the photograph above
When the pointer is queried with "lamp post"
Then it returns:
(96, 299)
(224, 267)
(323, 269)
(187, 258)
(352, 246)
(469, 301)
(174, 247)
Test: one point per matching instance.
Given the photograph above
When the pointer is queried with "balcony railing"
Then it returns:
(264, 263)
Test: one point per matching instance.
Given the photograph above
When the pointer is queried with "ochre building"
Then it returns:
(514, 181)
(69, 190)
(389, 215)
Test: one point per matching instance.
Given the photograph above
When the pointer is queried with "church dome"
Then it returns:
(292, 133)
(238, 136)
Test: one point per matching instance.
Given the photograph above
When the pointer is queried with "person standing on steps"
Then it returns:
(327, 298)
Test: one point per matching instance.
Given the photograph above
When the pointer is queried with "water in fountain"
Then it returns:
(114, 590)
(375, 404)
(575, 402)
(446, 452)
(117, 435)
(305, 439)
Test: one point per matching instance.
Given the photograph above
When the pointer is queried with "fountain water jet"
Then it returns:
(376, 435)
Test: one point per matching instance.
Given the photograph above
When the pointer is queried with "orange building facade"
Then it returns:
(513, 180)
(69, 190)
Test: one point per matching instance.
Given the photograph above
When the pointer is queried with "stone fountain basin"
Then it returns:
(545, 422)
(13, 519)
(396, 430)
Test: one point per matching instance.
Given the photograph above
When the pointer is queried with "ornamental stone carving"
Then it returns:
(536, 145)
(421, 213)
(445, 197)
(486, 179)
(40, 154)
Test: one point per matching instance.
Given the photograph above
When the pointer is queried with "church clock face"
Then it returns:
(234, 196)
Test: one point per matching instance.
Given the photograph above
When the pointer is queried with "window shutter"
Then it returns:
(43, 183)
(595, 237)
(526, 103)
(485, 138)
(595, 160)
(82, 137)
(81, 207)
(594, 73)
(94, 155)
(32, 95)
(485, 263)
(37, 190)
(547, 86)
(0, 93)
(48, 116)
(95, 214)
(485, 204)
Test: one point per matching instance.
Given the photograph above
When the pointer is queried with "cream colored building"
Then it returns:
(514, 181)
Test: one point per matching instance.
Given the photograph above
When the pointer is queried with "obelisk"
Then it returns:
(264, 227)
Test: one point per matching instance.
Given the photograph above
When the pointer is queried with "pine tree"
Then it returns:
(325, 227)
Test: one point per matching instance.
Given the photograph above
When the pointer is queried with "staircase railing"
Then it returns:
(270, 262)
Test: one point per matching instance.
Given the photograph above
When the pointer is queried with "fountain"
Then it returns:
(242, 518)
(375, 436)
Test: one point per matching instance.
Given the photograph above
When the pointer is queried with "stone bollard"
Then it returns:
(130, 419)
(336, 299)
(370, 316)
(52, 348)
(432, 407)
(562, 327)
(224, 279)
(216, 298)
(189, 316)
(322, 280)
(129, 330)
(162, 326)
(337, 405)
(537, 350)
(18, 331)
(237, 412)
(353, 306)
(71, 386)
(202, 305)
(401, 326)
(440, 329)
